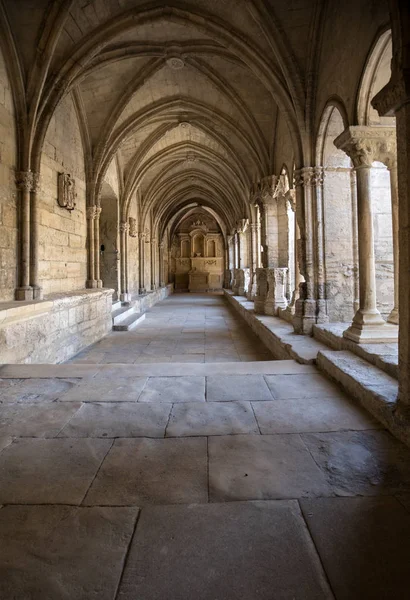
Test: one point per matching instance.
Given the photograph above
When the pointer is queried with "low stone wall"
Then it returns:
(55, 329)
(146, 301)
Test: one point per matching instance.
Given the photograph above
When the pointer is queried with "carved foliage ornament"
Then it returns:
(364, 145)
(66, 191)
(24, 180)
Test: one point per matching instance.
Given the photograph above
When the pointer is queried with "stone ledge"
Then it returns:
(372, 388)
(277, 334)
(383, 356)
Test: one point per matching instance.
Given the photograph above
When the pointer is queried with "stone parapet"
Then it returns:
(55, 329)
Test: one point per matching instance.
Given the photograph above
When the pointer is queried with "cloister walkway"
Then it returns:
(235, 478)
(182, 328)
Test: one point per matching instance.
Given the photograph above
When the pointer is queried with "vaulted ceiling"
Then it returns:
(186, 94)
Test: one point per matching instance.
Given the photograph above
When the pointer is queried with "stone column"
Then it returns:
(360, 144)
(24, 183)
(305, 305)
(321, 304)
(91, 213)
(161, 265)
(261, 290)
(141, 241)
(270, 225)
(97, 246)
(123, 227)
(394, 99)
(390, 160)
(34, 239)
(153, 264)
(254, 242)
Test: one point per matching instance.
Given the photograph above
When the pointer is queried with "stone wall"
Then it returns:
(62, 250)
(53, 330)
(8, 195)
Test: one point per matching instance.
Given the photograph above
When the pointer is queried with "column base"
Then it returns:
(24, 293)
(393, 316)
(322, 316)
(37, 292)
(371, 328)
(125, 297)
(91, 283)
(305, 316)
(100, 283)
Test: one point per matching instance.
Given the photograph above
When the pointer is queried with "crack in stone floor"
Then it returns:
(242, 479)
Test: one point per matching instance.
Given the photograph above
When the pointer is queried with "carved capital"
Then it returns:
(364, 145)
(141, 235)
(290, 198)
(24, 181)
(98, 210)
(242, 225)
(267, 189)
(91, 212)
(309, 176)
(123, 227)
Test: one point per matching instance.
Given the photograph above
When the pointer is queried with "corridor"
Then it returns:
(248, 479)
(183, 328)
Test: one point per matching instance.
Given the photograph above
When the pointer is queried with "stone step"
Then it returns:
(130, 322)
(116, 305)
(121, 314)
(382, 356)
(374, 389)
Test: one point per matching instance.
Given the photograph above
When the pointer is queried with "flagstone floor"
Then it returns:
(242, 480)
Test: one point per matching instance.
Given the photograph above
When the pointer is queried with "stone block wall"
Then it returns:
(8, 195)
(54, 330)
(62, 251)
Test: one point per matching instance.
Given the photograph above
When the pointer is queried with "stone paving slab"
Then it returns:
(63, 552)
(250, 467)
(309, 385)
(104, 389)
(38, 390)
(174, 389)
(364, 545)
(223, 551)
(146, 471)
(49, 471)
(118, 419)
(311, 415)
(35, 420)
(361, 463)
(5, 441)
(192, 419)
(221, 388)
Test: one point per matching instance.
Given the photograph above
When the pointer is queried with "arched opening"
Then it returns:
(109, 240)
(339, 220)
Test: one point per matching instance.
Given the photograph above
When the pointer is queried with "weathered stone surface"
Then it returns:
(50, 552)
(192, 419)
(365, 463)
(313, 385)
(229, 551)
(262, 468)
(107, 389)
(38, 390)
(364, 545)
(49, 471)
(147, 471)
(35, 420)
(312, 414)
(174, 389)
(118, 419)
(236, 387)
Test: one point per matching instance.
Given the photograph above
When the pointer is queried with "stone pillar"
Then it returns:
(34, 239)
(97, 246)
(261, 290)
(91, 213)
(321, 304)
(361, 145)
(394, 99)
(254, 254)
(270, 217)
(153, 264)
(275, 297)
(124, 295)
(24, 183)
(391, 162)
(305, 305)
(141, 241)
(247, 278)
(161, 265)
(240, 282)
